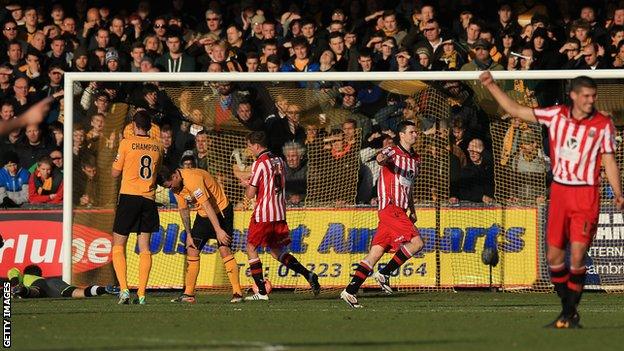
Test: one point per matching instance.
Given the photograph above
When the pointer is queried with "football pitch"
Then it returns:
(465, 320)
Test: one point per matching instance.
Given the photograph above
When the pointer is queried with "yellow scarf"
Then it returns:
(47, 185)
(451, 58)
(391, 33)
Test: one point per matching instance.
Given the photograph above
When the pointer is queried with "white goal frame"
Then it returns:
(71, 77)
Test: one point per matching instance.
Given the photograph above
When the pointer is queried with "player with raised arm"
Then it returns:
(581, 139)
(395, 231)
(214, 220)
(268, 226)
(138, 159)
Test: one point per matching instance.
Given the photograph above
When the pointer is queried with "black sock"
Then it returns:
(255, 265)
(359, 276)
(559, 276)
(291, 262)
(94, 290)
(397, 260)
(575, 288)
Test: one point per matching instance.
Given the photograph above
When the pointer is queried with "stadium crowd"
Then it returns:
(43, 40)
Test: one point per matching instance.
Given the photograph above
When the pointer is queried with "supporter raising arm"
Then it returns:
(34, 115)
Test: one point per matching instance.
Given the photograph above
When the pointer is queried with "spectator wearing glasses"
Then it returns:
(589, 58)
(9, 34)
(56, 156)
(160, 29)
(23, 97)
(212, 24)
(432, 37)
(94, 100)
(68, 29)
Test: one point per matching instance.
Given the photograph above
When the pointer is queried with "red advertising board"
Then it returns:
(31, 237)
(36, 237)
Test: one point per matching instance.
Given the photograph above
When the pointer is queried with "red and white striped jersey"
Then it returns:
(396, 178)
(267, 175)
(576, 146)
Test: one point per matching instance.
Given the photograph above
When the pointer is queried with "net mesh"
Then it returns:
(333, 219)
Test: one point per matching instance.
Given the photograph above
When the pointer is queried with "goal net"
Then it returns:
(483, 229)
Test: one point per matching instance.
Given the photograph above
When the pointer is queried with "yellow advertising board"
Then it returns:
(513, 231)
(332, 242)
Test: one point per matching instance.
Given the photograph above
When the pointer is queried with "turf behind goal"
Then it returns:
(333, 221)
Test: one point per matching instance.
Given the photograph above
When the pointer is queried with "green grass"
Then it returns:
(423, 321)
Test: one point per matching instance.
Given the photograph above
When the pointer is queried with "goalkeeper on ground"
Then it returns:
(32, 284)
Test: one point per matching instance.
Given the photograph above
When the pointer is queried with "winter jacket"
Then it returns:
(14, 187)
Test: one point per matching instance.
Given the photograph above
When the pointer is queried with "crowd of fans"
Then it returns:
(43, 40)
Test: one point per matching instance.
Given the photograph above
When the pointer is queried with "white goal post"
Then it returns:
(71, 77)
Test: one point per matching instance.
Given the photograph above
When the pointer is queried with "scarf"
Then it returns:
(450, 59)
(391, 33)
(482, 66)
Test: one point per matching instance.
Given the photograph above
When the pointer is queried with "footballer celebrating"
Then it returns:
(138, 159)
(396, 231)
(214, 220)
(581, 139)
(268, 227)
